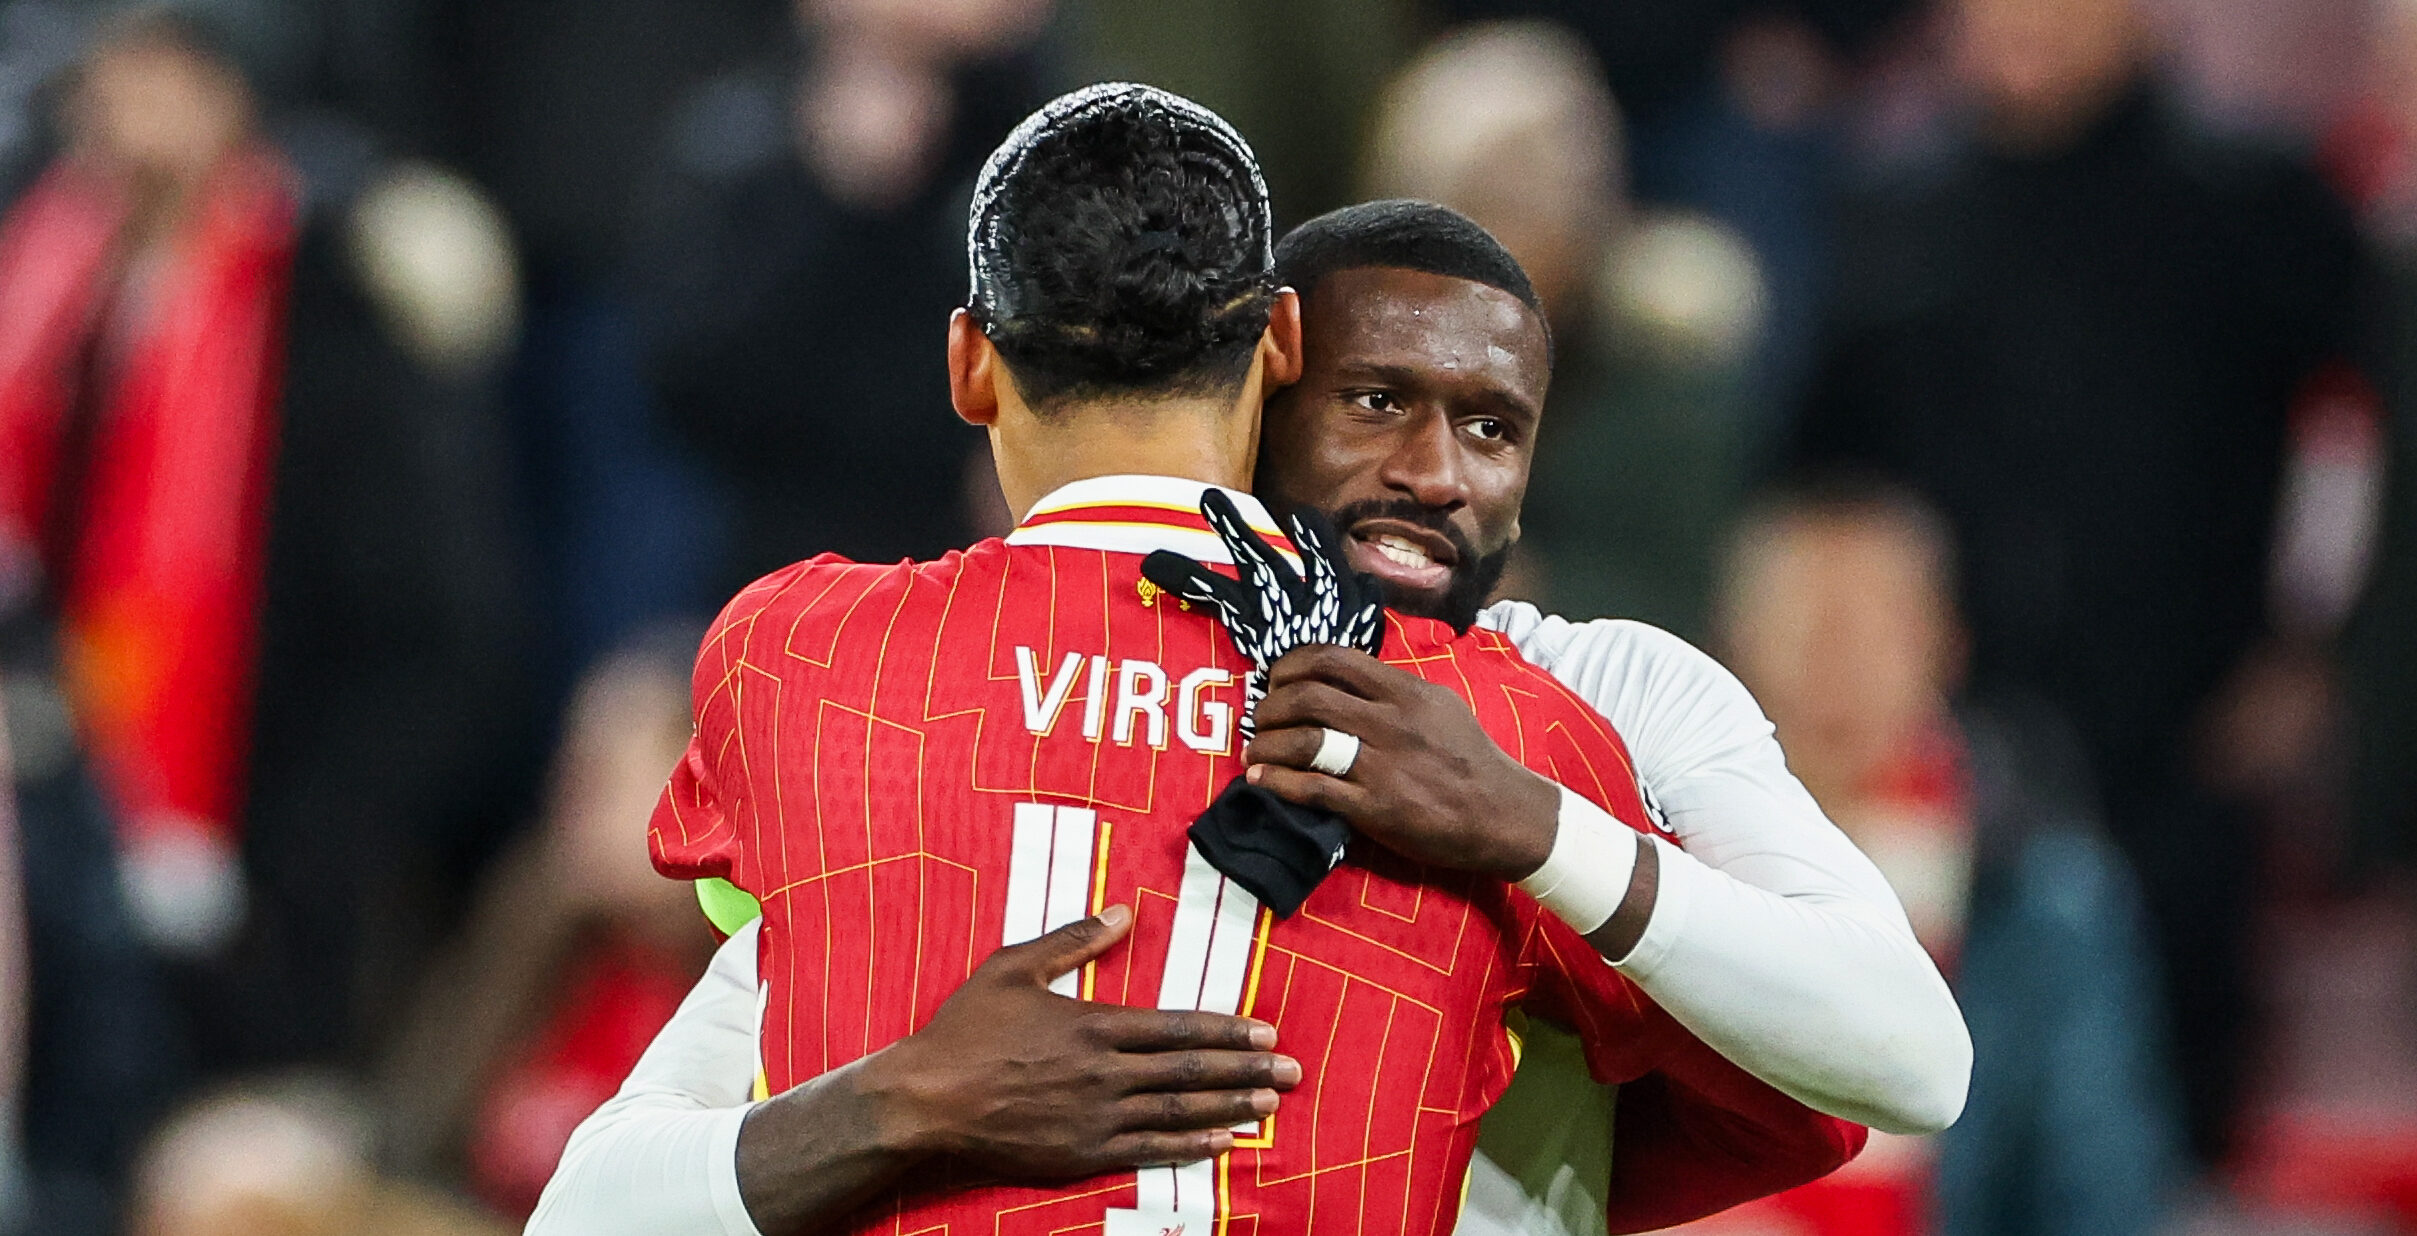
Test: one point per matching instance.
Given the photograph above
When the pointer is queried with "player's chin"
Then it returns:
(1438, 602)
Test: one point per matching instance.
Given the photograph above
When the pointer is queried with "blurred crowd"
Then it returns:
(2020, 395)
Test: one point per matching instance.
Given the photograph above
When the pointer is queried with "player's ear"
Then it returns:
(1280, 346)
(973, 371)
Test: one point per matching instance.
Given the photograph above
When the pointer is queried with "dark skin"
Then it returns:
(1426, 389)
(1416, 388)
(1417, 406)
(1021, 1082)
(1413, 387)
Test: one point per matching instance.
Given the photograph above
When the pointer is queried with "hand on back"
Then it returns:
(1034, 1085)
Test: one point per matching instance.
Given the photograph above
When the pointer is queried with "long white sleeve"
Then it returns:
(661, 1157)
(1773, 938)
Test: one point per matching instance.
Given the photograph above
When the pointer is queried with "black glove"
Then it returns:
(1276, 849)
(1269, 609)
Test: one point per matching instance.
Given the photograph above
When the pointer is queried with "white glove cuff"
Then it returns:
(1585, 878)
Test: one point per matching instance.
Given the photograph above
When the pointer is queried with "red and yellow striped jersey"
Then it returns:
(911, 765)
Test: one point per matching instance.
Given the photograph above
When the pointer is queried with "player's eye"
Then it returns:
(1376, 401)
(1489, 429)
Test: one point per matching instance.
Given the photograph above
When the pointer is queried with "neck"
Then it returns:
(1212, 440)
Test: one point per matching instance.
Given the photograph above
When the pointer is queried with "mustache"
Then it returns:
(1473, 574)
(1408, 512)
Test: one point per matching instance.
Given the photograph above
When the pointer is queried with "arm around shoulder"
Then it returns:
(1771, 937)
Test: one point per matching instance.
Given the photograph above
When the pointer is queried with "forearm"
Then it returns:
(1829, 1003)
(655, 1163)
(809, 1157)
(661, 1158)
(1827, 999)
(1813, 982)
(648, 1164)
(1006, 1076)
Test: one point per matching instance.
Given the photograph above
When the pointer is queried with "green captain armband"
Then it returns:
(727, 906)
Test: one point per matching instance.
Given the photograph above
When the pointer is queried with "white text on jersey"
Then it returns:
(1137, 707)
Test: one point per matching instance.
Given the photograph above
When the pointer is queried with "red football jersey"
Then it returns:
(911, 765)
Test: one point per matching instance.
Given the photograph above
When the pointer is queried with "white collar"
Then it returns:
(1136, 514)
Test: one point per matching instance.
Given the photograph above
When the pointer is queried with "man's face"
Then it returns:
(1412, 427)
(1842, 624)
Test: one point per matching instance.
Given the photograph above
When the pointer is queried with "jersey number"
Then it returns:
(1054, 876)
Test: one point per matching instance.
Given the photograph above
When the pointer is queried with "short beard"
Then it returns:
(1473, 574)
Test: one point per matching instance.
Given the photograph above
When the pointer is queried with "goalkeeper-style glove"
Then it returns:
(1278, 850)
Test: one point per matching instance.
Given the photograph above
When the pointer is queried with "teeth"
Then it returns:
(1401, 551)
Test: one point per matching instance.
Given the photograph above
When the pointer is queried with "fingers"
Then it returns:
(1365, 631)
(1211, 1070)
(1311, 789)
(1315, 703)
(1244, 541)
(1037, 961)
(1190, 580)
(1348, 668)
(1153, 1149)
(1294, 747)
(1204, 1109)
(1318, 564)
(1319, 542)
(1166, 1030)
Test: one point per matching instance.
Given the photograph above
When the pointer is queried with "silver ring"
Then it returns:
(1337, 752)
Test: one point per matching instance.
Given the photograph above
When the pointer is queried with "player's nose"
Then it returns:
(1425, 464)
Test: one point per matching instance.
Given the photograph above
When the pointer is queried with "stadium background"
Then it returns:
(599, 309)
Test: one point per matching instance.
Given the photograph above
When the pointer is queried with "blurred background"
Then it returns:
(2016, 393)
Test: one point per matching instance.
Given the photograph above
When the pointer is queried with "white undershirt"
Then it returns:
(1773, 939)
(660, 1158)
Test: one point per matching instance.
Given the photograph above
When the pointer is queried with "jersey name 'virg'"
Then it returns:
(1129, 700)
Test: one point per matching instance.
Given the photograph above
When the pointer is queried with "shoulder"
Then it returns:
(2061, 904)
(1477, 662)
(1549, 639)
(1483, 654)
(2270, 197)
(1681, 713)
(2073, 877)
(1906, 221)
(823, 593)
(1668, 697)
(2232, 160)
(732, 126)
(2043, 853)
(793, 588)
(1532, 714)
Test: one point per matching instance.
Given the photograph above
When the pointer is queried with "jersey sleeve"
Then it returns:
(661, 1155)
(694, 835)
(691, 834)
(1701, 1136)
